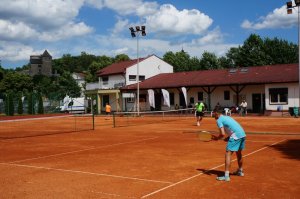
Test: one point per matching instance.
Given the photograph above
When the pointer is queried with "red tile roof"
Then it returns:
(118, 68)
(285, 73)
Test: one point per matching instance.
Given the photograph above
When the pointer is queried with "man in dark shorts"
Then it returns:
(199, 112)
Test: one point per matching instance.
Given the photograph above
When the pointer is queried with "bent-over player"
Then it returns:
(236, 138)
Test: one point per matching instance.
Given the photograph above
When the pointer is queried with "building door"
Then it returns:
(157, 101)
(257, 106)
(105, 99)
(182, 100)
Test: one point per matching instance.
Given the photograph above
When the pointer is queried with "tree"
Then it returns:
(1, 73)
(31, 103)
(16, 82)
(194, 63)
(84, 61)
(40, 104)
(225, 62)
(20, 104)
(121, 57)
(280, 51)
(180, 60)
(233, 57)
(209, 61)
(68, 86)
(92, 72)
(252, 52)
(9, 103)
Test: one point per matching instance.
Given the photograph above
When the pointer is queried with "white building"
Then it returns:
(266, 89)
(117, 75)
(79, 78)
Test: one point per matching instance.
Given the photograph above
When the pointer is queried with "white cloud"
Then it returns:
(120, 51)
(277, 19)
(127, 7)
(99, 4)
(170, 20)
(67, 31)
(47, 20)
(158, 46)
(15, 52)
(15, 31)
(120, 26)
(46, 13)
(211, 37)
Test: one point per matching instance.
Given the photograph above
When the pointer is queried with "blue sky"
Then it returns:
(100, 27)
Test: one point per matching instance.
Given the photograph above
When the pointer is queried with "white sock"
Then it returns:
(226, 173)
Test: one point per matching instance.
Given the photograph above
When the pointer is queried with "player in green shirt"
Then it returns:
(199, 112)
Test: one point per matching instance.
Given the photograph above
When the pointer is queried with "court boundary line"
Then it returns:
(76, 151)
(85, 172)
(187, 179)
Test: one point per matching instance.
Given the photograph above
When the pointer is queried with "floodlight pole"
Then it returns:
(137, 75)
(136, 33)
(290, 7)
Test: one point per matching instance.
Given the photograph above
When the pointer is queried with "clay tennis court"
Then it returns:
(155, 160)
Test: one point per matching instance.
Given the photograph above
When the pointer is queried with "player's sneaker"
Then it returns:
(198, 123)
(223, 178)
(238, 173)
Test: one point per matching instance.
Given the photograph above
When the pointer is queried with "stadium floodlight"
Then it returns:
(136, 33)
(289, 7)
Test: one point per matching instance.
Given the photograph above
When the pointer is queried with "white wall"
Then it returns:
(148, 68)
(112, 80)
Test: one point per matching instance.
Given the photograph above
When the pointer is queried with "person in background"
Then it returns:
(243, 107)
(107, 109)
(199, 112)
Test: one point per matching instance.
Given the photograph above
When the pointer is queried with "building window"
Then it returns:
(143, 98)
(278, 95)
(132, 77)
(130, 100)
(200, 96)
(142, 77)
(226, 95)
(105, 80)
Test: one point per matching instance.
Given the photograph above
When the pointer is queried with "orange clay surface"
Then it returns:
(161, 160)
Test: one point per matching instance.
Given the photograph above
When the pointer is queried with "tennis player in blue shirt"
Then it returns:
(236, 138)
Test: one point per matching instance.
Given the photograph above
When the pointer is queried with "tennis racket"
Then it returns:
(205, 136)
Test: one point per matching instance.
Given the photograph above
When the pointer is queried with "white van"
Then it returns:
(73, 105)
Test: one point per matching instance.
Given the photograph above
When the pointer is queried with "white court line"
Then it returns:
(84, 172)
(70, 152)
(172, 185)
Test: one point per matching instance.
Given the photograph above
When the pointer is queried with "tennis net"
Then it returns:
(121, 119)
(45, 125)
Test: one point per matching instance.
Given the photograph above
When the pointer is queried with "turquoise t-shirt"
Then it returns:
(232, 127)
